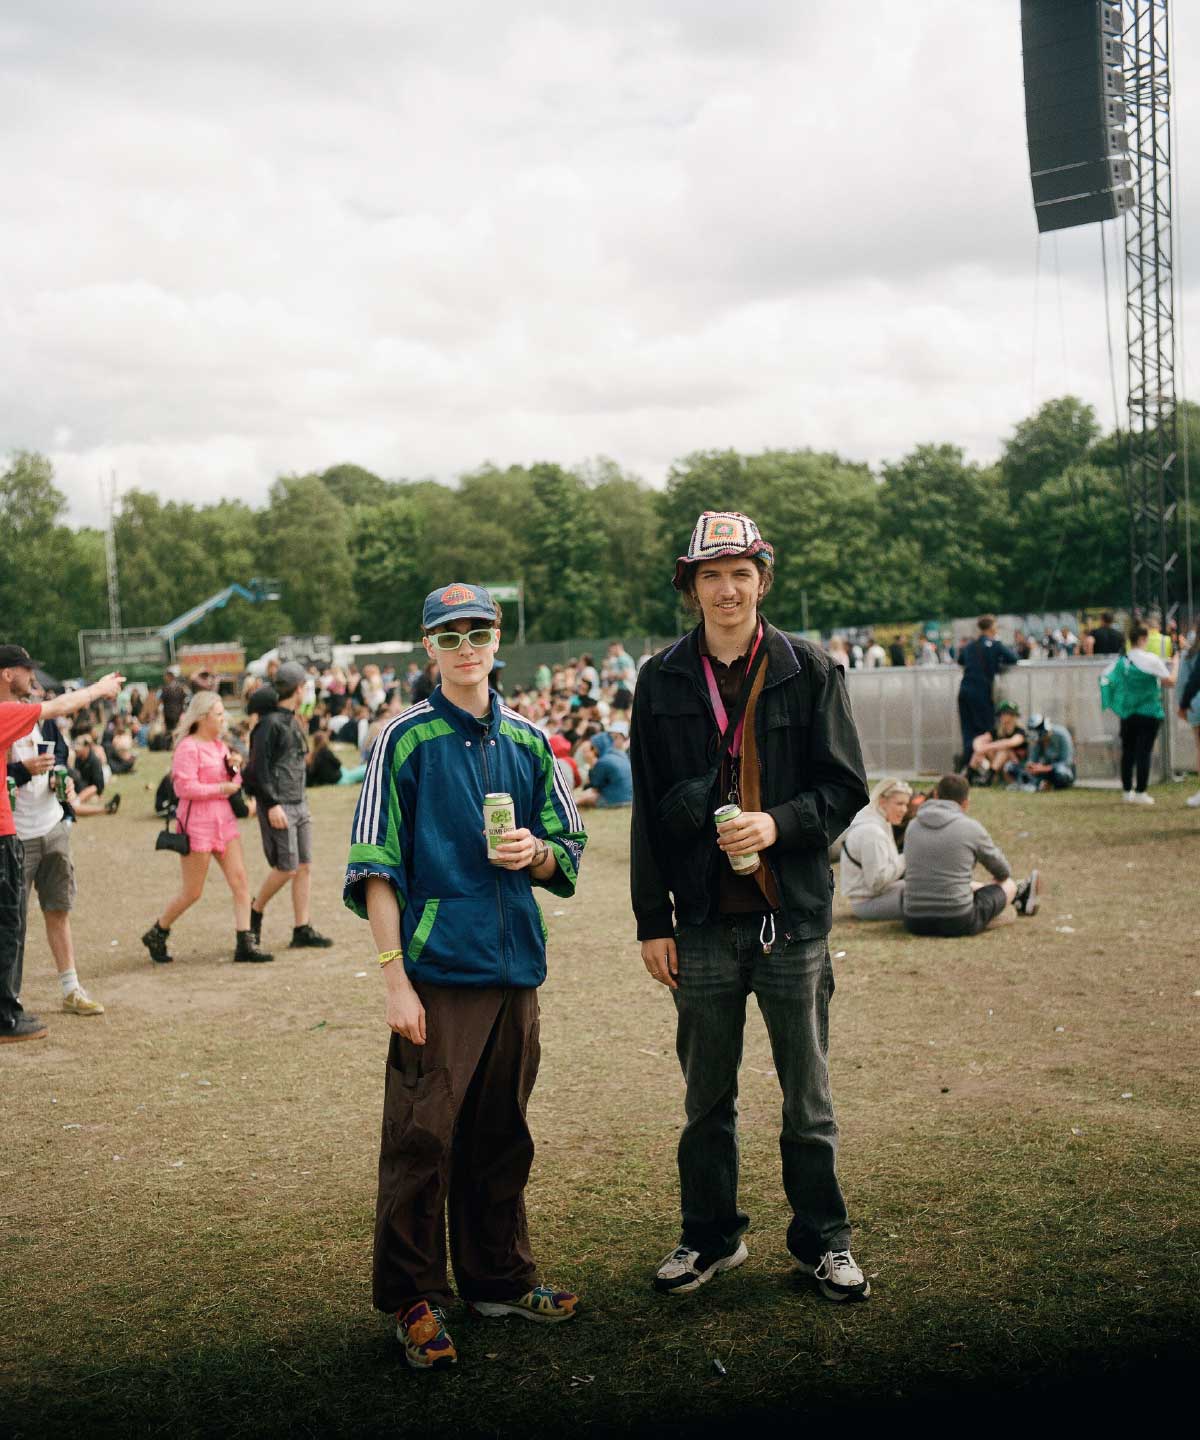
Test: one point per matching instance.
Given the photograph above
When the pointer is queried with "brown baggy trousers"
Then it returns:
(455, 1138)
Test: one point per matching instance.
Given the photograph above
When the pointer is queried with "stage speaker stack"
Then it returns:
(1075, 111)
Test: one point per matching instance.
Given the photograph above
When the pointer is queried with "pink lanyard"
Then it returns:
(718, 704)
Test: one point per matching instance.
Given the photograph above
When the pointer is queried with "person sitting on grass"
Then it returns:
(1051, 763)
(324, 767)
(941, 849)
(610, 780)
(996, 748)
(90, 779)
(872, 867)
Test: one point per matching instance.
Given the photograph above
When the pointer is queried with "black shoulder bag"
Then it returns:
(685, 811)
(167, 839)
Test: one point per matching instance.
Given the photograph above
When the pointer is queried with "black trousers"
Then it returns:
(12, 926)
(1138, 734)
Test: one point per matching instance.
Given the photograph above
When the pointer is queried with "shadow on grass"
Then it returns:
(324, 1382)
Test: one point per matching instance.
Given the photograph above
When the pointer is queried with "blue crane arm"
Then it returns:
(198, 612)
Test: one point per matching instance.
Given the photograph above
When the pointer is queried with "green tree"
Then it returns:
(391, 547)
(947, 525)
(353, 485)
(1060, 434)
(819, 513)
(304, 543)
(562, 557)
(1071, 547)
(51, 579)
(631, 586)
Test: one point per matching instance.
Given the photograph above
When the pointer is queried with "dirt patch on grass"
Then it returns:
(188, 1182)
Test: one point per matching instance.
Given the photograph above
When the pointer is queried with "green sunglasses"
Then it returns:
(452, 639)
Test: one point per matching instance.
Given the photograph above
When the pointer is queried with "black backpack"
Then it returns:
(165, 799)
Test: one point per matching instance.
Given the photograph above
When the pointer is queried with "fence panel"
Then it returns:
(908, 719)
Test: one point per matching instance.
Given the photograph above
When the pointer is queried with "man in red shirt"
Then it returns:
(17, 719)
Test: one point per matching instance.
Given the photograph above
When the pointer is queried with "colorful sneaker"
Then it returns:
(544, 1304)
(421, 1329)
(79, 1002)
(685, 1270)
(837, 1276)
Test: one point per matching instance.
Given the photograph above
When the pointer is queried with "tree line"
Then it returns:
(929, 536)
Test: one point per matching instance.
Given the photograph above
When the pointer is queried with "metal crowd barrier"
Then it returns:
(908, 718)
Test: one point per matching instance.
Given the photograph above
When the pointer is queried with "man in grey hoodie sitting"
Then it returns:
(941, 849)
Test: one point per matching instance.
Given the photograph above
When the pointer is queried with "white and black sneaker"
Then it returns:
(685, 1270)
(837, 1276)
(1027, 895)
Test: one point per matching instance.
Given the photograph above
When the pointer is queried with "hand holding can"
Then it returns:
(742, 864)
(499, 817)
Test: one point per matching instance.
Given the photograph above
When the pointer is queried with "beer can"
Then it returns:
(499, 816)
(61, 775)
(12, 791)
(742, 864)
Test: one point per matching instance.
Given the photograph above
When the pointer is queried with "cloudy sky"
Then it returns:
(243, 237)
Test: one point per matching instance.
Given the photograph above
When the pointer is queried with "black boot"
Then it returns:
(247, 947)
(256, 919)
(155, 940)
(304, 937)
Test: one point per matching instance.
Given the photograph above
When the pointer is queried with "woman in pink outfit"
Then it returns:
(204, 781)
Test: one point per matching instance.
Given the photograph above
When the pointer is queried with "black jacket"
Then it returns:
(812, 783)
(278, 751)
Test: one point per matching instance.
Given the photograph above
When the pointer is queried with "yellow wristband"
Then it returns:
(387, 956)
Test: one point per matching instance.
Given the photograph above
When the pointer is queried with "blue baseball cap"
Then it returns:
(457, 601)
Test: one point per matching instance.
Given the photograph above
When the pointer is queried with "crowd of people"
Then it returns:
(735, 748)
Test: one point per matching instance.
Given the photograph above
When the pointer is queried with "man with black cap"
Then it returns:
(278, 751)
(17, 718)
(737, 713)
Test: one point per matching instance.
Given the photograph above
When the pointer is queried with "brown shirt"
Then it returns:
(739, 894)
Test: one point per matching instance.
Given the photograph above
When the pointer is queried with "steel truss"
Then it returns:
(1151, 477)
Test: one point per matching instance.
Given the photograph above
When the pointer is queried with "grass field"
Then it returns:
(187, 1183)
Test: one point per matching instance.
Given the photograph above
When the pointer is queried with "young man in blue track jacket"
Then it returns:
(461, 943)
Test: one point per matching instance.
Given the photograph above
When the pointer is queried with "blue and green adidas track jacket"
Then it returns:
(419, 823)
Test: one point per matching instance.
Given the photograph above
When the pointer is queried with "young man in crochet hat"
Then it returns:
(461, 944)
(713, 936)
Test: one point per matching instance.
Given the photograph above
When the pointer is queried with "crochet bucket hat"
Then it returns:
(719, 534)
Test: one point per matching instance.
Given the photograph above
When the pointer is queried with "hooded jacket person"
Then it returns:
(739, 712)
(943, 845)
(872, 867)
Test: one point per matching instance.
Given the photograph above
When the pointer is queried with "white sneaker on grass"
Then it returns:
(837, 1276)
(1139, 797)
(685, 1270)
(1193, 801)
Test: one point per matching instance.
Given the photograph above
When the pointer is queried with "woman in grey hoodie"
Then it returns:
(872, 866)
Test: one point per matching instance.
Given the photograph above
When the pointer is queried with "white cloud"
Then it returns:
(420, 237)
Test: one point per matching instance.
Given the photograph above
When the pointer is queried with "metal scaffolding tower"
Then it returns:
(1151, 475)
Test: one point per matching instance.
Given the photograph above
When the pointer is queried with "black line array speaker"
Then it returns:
(1075, 111)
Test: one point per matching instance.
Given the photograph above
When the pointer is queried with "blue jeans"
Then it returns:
(720, 964)
(1061, 777)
